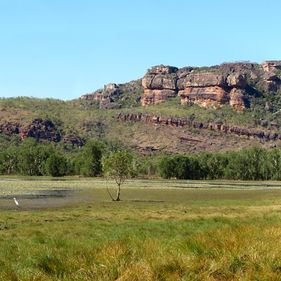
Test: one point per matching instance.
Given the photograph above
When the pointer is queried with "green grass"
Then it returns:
(161, 230)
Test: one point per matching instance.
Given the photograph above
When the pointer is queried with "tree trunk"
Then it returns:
(118, 193)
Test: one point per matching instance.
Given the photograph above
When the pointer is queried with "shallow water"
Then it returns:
(48, 193)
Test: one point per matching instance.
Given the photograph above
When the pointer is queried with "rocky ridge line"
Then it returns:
(215, 126)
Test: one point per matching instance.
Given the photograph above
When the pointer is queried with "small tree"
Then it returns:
(118, 166)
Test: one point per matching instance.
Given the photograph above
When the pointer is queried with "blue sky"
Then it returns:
(65, 48)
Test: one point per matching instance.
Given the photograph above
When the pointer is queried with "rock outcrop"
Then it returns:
(9, 128)
(215, 126)
(271, 65)
(106, 97)
(74, 140)
(41, 129)
(237, 99)
(112, 95)
(160, 84)
(272, 75)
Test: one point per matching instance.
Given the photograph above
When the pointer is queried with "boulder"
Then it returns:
(236, 80)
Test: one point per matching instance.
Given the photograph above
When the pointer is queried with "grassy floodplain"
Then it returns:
(161, 230)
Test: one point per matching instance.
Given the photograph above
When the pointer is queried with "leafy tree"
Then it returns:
(56, 165)
(9, 160)
(148, 165)
(248, 164)
(32, 157)
(180, 167)
(274, 158)
(213, 165)
(167, 167)
(89, 161)
(118, 165)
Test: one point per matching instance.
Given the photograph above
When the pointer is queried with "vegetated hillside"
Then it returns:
(169, 110)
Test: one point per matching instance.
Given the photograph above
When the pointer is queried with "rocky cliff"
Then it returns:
(228, 83)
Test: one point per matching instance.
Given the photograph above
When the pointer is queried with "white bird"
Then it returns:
(16, 202)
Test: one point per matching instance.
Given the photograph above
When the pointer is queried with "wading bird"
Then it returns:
(16, 202)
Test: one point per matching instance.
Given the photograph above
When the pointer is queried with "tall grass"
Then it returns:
(188, 234)
(190, 250)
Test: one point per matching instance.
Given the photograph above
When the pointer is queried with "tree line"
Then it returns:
(247, 164)
(36, 159)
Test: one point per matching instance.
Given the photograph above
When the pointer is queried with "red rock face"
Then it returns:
(272, 76)
(157, 96)
(212, 96)
(237, 99)
(160, 84)
(204, 80)
(211, 87)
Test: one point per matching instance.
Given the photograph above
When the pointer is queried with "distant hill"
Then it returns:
(169, 110)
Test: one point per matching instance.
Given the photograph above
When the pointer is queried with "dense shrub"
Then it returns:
(56, 165)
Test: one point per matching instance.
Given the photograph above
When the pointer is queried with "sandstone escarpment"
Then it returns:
(228, 83)
(206, 87)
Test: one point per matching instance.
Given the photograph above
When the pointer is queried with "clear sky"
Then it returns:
(65, 48)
